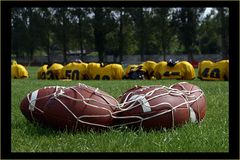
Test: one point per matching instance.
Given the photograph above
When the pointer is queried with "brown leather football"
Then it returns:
(80, 107)
(76, 107)
(32, 105)
(196, 99)
(152, 107)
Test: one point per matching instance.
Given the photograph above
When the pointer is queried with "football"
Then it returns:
(152, 107)
(80, 107)
(196, 98)
(73, 107)
(33, 104)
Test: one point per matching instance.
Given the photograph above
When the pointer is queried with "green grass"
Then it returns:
(212, 135)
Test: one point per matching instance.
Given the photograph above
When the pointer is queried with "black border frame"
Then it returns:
(233, 82)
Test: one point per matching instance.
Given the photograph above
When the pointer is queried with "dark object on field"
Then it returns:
(137, 75)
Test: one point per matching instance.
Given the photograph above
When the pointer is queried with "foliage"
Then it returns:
(164, 29)
(120, 31)
(187, 20)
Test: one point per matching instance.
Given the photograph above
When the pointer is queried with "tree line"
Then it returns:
(120, 31)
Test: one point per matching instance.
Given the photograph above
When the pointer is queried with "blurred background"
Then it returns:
(118, 35)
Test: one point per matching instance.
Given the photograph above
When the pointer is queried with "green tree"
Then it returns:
(121, 40)
(81, 28)
(138, 15)
(103, 23)
(122, 15)
(33, 30)
(46, 26)
(223, 19)
(187, 22)
(62, 29)
(151, 45)
(164, 29)
(209, 36)
(19, 32)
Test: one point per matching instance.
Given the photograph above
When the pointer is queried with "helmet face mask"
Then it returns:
(171, 63)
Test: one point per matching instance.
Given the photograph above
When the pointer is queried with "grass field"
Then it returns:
(212, 135)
